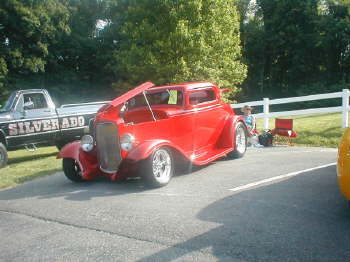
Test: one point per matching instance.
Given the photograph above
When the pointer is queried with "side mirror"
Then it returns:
(28, 105)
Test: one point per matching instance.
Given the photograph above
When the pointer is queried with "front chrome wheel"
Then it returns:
(162, 165)
(158, 169)
(72, 170)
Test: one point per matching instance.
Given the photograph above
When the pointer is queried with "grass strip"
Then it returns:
(24, 166)
(318, 130)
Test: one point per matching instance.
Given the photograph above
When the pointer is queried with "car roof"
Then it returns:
(26, 91)
(187, 86)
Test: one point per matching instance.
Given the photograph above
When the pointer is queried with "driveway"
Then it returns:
(275, 204)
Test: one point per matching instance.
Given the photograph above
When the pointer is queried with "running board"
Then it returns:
(32, 148)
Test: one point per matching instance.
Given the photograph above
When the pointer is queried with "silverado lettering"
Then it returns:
(36, 126)
(30, 117)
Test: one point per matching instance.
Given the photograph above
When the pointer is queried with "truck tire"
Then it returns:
(72, 170)
(3, 155)
(240, 141)
(158, 169)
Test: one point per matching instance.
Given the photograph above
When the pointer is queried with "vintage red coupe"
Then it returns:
(147, 130)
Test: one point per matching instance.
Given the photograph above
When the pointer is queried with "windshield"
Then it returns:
(8, 104)
(164, 97)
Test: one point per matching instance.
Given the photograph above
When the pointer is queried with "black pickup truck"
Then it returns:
(30, 117)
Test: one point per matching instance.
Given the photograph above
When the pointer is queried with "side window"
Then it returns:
(202, 96)
(166, 97)
(37, 101)
(175, 97)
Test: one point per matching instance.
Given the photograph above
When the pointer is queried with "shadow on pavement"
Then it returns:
(57, 185)
(303, 218)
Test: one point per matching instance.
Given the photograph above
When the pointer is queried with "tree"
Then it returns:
(334, 41)
(27, 29)
(168, 41)
(290, 44)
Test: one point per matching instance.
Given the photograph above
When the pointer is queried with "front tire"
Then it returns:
(3, 155)
(72, 170)
(158, 168)
(240, 141)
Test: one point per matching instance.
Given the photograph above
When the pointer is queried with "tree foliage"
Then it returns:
(263, 47)
(27, 29)
(175, 41)
(304, 46)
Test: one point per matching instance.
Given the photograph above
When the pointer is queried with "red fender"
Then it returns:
(227, 137)
(145, 149)
(70, 150)
(87, 161)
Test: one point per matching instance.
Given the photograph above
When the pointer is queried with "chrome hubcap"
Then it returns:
(77, 168)
(161, 165)
(240, 140)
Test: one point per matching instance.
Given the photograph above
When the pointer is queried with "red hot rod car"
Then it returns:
(144, 132)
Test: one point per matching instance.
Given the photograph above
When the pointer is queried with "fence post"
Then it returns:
(345, 105)
(266, 113)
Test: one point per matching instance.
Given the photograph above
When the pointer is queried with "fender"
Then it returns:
(87, 161)
(227, 137)
(145, 149)
(70, 150)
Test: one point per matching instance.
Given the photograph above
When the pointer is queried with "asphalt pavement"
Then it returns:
(275, 204)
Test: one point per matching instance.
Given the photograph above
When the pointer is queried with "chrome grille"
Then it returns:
(108, 147)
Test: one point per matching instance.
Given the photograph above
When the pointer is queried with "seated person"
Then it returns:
(249, 119)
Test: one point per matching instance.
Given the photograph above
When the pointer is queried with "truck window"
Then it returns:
(202, 96)
(38, 99)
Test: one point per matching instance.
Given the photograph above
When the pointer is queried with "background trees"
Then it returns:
(295, 47)
(168, 41)
(92, 49)
(27, 29)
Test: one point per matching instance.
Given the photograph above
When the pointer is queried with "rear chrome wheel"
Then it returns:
(72, 170)
(240, 141)
(158, 169)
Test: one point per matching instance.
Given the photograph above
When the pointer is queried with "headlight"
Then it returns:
(126, 142)
(87, 143)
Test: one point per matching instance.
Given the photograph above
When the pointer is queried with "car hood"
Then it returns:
(130, 94)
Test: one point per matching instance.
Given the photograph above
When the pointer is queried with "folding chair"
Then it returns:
(283, 131)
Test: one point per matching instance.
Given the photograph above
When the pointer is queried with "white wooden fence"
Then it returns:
(266, 102)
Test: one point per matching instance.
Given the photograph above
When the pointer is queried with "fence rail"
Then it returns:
(266, 102)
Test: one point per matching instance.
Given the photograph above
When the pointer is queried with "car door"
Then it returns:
(35, 120)
(208, 117)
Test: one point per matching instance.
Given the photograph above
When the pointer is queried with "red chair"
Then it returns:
(284, 129)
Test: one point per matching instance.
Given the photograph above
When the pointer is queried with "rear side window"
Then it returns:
(202, 96)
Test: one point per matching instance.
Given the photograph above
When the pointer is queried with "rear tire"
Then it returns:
(72, 170)
(158, 169)
(240, 141)
(3, 155)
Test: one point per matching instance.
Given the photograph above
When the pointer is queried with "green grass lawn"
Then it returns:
(320, 130)
(23, 165)
(313, 130)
